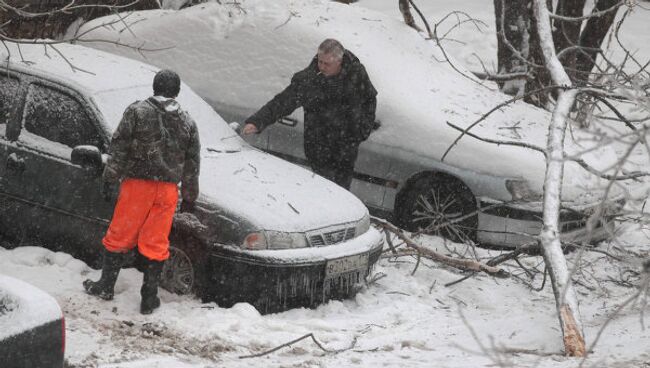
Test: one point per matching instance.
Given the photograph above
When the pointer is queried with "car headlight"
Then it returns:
(362, 226)
(520, 190)
(282, 240)
(255, 241)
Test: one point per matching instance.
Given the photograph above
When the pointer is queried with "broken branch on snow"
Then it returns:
(463, 264)
(309, 335)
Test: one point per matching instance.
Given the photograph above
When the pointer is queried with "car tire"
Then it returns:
(184, 271)
(434, 200)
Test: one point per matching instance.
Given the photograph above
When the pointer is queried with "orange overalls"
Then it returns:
(143, 216)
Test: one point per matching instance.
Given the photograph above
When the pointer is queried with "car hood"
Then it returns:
(273, 194)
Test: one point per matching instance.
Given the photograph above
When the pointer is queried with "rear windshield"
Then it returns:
(213, 130)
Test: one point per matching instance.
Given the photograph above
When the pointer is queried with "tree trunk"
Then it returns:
(518, 49)
(542, 77)
(592, 37)
(512, 25)
(517, 30)
(405, 9)
(565, 297)
(566, 34)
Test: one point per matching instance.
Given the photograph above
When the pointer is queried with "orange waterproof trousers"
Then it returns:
(143, 215)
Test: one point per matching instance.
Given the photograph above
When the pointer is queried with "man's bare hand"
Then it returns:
(250, 129)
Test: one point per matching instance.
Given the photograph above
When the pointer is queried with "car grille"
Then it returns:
(319, 239)
(573, 225)
(579, 224)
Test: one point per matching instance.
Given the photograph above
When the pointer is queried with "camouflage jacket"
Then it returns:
(156, 140)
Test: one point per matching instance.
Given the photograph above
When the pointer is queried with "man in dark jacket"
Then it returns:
(339, 102)
(155, 147)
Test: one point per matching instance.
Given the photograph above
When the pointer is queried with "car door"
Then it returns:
(286, 138)
(11, 99)
(369, 182)
(67, 207)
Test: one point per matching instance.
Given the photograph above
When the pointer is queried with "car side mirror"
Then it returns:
(235, 126)
(88, 157)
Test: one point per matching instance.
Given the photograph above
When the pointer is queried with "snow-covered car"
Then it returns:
(237, 56)
(32, 326)
(264, 231)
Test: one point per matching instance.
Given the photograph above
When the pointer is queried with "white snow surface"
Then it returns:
(275, 194)
(28, 306)
(419, 92)
(401, 320)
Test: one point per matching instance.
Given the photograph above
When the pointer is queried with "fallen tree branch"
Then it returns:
(311, 335)
(463, 264)
(528, 248)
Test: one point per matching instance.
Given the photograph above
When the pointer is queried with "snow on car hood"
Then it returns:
(274, 194)
(420, 93)
(23, 307)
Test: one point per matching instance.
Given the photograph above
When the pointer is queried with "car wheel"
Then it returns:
(184, 270)
(439, 205)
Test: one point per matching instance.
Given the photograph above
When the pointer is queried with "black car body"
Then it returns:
(264, 231)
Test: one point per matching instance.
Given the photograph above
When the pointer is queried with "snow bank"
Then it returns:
(401, 320)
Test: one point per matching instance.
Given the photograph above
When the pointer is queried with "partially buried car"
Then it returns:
(412, 167)
(32, 326)
(264, 231)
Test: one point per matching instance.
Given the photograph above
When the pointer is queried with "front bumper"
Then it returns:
(277, 280)
(512, 227)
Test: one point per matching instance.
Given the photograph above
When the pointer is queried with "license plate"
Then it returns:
(346, 264)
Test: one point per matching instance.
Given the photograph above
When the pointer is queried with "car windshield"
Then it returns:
(214, 133)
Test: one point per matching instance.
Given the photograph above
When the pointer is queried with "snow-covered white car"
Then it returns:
(264, 231)
(237, 56)
(32, 326)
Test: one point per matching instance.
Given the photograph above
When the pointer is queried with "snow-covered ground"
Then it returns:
(403, 319)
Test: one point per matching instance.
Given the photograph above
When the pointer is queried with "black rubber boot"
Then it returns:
(103, 288)
(149, 290)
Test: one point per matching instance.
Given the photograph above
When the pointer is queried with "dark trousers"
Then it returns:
(340, 175)
(333, 161)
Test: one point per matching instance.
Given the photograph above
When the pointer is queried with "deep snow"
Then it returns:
(401, 320)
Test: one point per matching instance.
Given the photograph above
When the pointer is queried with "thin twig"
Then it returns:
(309, 335)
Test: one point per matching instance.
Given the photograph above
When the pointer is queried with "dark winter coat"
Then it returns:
(339, 110)
(156, 140)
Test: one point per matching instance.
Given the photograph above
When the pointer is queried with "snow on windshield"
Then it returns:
(213, 131)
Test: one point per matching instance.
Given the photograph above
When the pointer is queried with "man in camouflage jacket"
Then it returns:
(155, 147)
(339, 103)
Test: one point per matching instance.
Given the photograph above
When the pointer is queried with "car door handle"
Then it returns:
(288, 121)
(15, 164)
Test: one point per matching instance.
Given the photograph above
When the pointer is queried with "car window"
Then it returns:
(8, 92)
(58, 117)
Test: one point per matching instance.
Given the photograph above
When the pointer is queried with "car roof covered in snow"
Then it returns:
(93, 70)
(112, 81)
